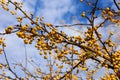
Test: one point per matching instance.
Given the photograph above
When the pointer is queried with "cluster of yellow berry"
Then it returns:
(108, 14)
(116, 60)
(109, 77)
(2, 44)
(9, 29)
(3, 1)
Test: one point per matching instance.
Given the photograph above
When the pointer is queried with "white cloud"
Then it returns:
(29, 5)
(55, 9)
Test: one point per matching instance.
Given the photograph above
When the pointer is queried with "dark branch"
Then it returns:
(116, 4)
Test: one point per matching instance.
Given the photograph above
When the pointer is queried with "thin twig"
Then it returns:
(8, 63)
(71, 69)
(116, 4)
(70, 25)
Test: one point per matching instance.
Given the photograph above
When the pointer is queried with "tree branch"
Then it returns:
(116, 4)
(9, 68)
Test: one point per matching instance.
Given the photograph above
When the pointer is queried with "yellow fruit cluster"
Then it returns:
(3, 1)
(1, 66)
(19, 19)
(9, 29)
(109, 77)
(83, 14)
(2, 44)
(108, 14)
(12, 12)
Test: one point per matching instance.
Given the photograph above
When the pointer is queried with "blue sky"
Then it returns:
(54, 11)
(75, 8)
(57, 10)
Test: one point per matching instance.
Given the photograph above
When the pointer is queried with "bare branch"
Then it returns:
(116, 4)
(8, 63)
